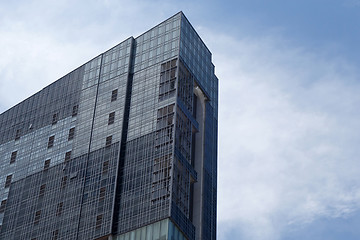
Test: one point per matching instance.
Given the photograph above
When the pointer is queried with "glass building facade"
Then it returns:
(123, 147)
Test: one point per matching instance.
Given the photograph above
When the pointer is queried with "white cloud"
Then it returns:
(288, 136)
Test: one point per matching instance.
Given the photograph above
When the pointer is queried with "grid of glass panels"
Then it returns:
(145, 191)
(158, 44)
(66, 198)
(104, 106)
(162, 230)
(32, 209)
(142, 116)
(136, 206)
(116, 61)
(27, 127)
(197, 59)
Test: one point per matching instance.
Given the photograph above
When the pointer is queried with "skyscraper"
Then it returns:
(123, 147)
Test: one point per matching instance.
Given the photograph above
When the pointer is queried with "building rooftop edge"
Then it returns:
(181, 13)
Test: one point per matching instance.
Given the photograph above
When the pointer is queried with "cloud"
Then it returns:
(288, 136)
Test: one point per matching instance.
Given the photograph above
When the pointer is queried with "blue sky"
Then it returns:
(289, 98)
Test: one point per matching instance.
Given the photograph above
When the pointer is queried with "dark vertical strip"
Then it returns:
(119, 178)
(193, 144)
(88, 154)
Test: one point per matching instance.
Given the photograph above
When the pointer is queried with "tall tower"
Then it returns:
(123, 147)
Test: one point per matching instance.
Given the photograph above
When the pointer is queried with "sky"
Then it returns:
(289, 84)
